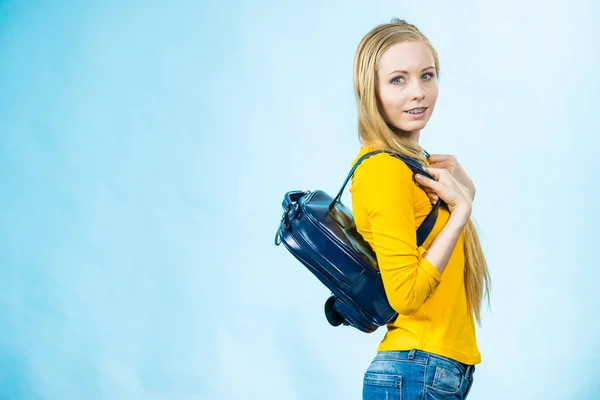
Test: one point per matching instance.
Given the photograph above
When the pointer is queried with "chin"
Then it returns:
(411, 126)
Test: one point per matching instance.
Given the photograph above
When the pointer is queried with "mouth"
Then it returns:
(417, 113)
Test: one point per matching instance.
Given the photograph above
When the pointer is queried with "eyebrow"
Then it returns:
(406, 72)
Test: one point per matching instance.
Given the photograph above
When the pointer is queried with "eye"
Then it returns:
(429, 74)
(397, 79)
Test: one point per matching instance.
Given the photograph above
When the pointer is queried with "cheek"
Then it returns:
(432, 93)
(393, 101)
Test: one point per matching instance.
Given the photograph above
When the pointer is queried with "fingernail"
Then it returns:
(418, 177)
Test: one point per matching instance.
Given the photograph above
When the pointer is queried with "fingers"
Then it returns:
(437, 157)
(430, 183)
(443, 186)
(444, 161)
(423, 181)
(434, 158)
(450, 166)
(433, 197)
(442, 165)
(435, 188)
(437, 173)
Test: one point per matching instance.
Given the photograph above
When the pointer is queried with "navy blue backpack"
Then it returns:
(320, 232)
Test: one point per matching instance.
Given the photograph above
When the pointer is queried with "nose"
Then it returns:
(417, 92)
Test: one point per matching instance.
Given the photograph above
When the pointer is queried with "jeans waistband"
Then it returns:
(423, 357)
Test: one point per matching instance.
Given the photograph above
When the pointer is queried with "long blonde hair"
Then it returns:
(375, 131)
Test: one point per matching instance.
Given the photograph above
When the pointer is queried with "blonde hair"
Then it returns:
(374, 131)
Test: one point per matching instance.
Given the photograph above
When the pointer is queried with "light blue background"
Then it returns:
(145, 147)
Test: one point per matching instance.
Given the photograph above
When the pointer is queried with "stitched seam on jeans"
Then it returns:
(370, 378)
(424, 378)
(445, 392)
(450, 360)
(389, 358)
(469, 385)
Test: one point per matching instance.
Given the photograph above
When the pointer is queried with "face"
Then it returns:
(406, 81)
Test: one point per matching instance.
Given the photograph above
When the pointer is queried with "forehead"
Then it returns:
(407, 56)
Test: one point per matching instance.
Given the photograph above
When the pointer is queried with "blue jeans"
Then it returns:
(416, 375)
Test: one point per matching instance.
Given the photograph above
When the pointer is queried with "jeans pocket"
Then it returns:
(446, 382)
(382, 386)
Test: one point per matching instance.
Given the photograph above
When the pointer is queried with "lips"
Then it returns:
(417, 108)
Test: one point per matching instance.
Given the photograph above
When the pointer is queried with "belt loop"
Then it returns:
(470, 370)
(411, 354)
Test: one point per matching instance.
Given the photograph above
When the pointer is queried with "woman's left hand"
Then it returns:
(451, 164)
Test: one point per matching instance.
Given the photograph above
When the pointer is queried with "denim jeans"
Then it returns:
(416, 375)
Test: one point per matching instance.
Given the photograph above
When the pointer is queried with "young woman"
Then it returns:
(430, 350)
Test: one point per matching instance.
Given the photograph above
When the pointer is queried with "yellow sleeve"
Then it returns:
(386, 190)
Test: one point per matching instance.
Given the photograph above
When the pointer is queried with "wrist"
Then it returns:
(460, 215)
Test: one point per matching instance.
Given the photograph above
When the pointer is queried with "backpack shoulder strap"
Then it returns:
(427, 225)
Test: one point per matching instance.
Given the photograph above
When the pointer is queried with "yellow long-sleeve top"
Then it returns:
(388, 207)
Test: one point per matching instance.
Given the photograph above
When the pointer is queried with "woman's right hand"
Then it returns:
(448, 189)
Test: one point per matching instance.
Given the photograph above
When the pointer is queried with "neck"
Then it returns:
(414, 135)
